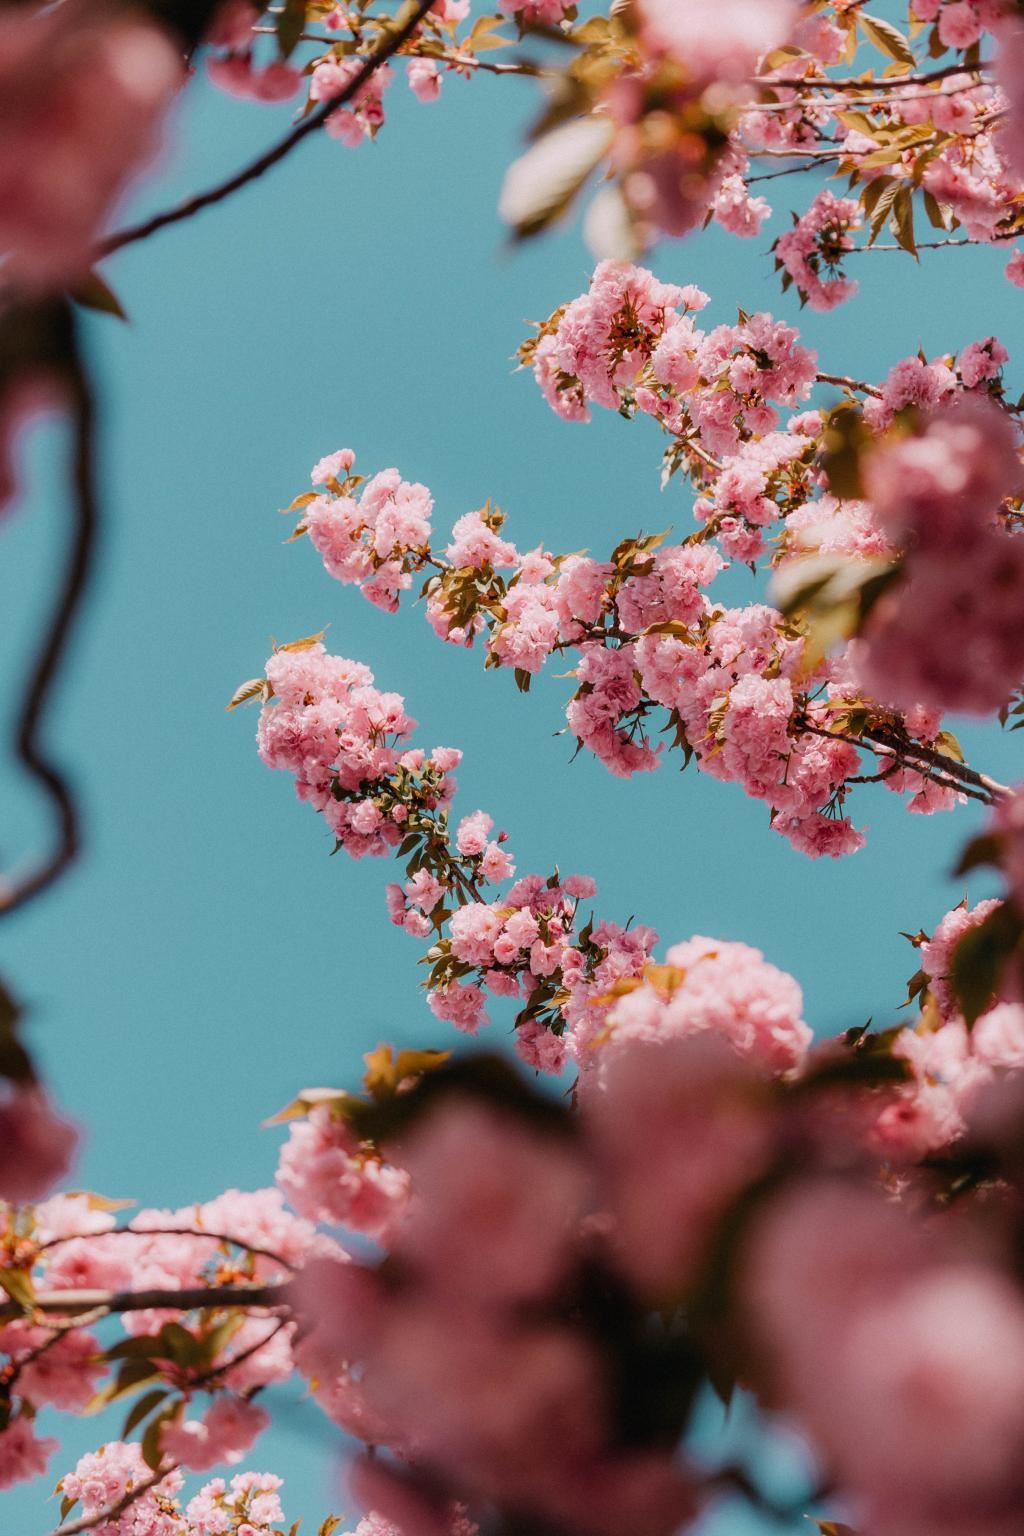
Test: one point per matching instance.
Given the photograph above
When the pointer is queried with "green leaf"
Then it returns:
(290, 22)
(336, 1098)
(133, 1374)
(180, 1345)
(94, 292)
(141, 1347)
(305, 644)
(142, 1409)
(18, 1285)
(933, 208)
(902, 220)
(152, 1455)
(246, 692)
(887, 39)
(986, 849)
(947, 744)
(980, 958)
(540, 185)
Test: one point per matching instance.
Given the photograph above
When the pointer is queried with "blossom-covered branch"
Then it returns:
(752, 694)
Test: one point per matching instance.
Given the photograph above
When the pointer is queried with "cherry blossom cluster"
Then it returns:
(247, 1505)
(630, 344)
(526, 944)
(526, 1240)
(39, 1143)
(342, 739)
(223, 1248)
(375, 537)
(740, 690)
(947, 635)
(685, 1156)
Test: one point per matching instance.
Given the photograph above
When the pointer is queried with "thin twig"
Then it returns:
(936, 245)
(265, 162)
(894, 84)
(217, 1237)
(842, 103)
(85, 511)
(216, 1371)
(454, 60)
(843, 382)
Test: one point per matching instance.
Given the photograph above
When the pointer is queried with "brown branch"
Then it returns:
(215, 1237)
(843, 382)
(936, 245)
(957, 769)
(265, 162)
(85, 511)
(953, 775)
(454, 60)
(894, 84)
(187, 1299)
(217, 1371)
(841, 102)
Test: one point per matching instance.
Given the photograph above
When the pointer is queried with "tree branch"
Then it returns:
(259, 167)
(941, 770)
(843, 382)
(896, 83)
(187, 1299)
(85, 511)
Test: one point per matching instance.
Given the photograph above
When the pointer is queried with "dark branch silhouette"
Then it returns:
(29, 749)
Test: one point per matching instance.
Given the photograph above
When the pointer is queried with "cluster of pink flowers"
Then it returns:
(373, 540)
(72, 1243)
(37, 1146)
(630, 343)
(102, 1478)
(740, 693)
(887, 1338)
(688, 1147)
(233, 68)
(946, 636)
(949, 1064)
(674, 151)
(466, 1357)
(247, 1506)
(960, 23)
(83, 96)
(223, 1436)
(341, 738)
(818, 240)
(330, 1177)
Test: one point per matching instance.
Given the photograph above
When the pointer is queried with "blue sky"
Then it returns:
(206, 958)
